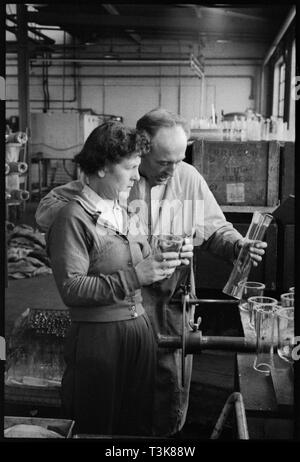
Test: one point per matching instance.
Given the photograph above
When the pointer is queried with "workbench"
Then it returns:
(268, 399)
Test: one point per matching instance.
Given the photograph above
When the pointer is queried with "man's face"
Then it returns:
(168, 148)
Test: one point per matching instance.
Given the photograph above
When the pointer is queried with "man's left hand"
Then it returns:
(186, 251)
(256, 250)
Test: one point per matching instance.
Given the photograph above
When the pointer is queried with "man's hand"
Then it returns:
(256, 250)
(186, 251)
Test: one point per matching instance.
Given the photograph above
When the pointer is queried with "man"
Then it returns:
(171, 197)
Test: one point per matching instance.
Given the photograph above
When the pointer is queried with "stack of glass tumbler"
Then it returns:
(273, 323)
(271, 320)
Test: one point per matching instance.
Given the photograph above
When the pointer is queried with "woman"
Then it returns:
(99, 267)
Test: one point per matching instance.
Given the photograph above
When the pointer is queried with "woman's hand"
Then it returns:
(155, 268)
(186, 251)
(256, 250)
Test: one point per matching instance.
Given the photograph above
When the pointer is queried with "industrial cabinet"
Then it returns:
(55, 139)
(61, 135)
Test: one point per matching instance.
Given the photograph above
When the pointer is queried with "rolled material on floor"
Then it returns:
(17, 137)
(17, 167)
(12, 152)
(12, 181)
(18, 194)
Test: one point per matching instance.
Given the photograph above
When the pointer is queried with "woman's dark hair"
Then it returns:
(109, 144)
(158, 118)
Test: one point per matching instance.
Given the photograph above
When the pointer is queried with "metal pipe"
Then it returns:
(202, 98)
(240, 416)
(236, 400)
(115, 62)
(117, 76)
(280, 34)
(196, 342)
(193, 301)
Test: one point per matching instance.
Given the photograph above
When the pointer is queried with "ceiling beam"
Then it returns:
(117, 22)
(234, 14)
(46, 39)
(113, 10)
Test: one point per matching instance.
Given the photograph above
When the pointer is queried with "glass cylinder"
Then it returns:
(257, 302)
(264, 326)
(250, 289)
(287, 300)
(285, 332)
(240, 272)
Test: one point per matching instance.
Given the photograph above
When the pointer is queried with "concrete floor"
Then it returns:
(213, 372)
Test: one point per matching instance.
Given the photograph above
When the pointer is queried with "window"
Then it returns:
(291, 124)
(279, 88)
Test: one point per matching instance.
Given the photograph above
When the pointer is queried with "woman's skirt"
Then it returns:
(108, 384)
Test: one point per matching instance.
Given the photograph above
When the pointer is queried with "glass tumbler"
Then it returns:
(168, 243)
(250, 289)
(264, 326)
(287, 300)
(285, 332)
(257, 302)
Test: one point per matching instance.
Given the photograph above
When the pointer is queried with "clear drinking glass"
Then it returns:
(285, 332)
(264, 326)
(250, 289)
(256, 231)
(257, 302)
(168, 243)
(287, 299)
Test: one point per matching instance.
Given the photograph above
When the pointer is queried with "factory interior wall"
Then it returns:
(133, 96)
(232, 83)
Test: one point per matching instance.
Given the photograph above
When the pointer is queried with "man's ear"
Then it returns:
(101, 173)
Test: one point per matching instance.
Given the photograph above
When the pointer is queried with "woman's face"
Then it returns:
(121, 177)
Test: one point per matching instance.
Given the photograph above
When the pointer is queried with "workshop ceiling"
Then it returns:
(91, 23)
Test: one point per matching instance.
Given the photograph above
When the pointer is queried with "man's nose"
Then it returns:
(171, 168)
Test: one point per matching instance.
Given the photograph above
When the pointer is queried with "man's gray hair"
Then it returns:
(159, 117)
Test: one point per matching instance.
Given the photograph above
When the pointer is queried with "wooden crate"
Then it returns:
(62, 426)
(240, 173)
(37, 396)
(287, 174)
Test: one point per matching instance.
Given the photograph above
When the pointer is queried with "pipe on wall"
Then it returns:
(280, 34)
(117, 62)
(144, 76)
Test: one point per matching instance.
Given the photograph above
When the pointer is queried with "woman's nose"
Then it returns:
(137, 176)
